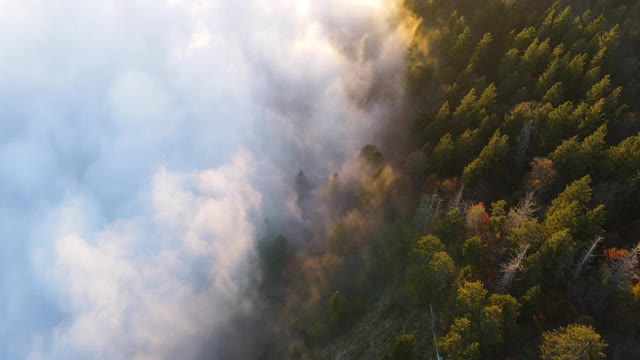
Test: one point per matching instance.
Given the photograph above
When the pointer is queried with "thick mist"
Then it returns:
(143, 143)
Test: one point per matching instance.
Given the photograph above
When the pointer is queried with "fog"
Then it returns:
(143, 143)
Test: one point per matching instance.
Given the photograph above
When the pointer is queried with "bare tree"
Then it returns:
(523, 144)
(522, 212)
(509, 269)
(429, 206)
(605, 193)
(433, 330)
(456, 202)
(625, 267)
(587, 255)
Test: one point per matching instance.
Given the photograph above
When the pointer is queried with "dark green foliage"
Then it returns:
(430, 271)
(569, 211)
(510, 309)
(531, 300)
(275, 254)
(489, 161)
(338, 310)
(472, 249)
(372, 156)
(303, 190)
(623, 161)
(448, 227)
(577, 159)
(480, 57)
(403, 348)
(443, 157)
(554, 95)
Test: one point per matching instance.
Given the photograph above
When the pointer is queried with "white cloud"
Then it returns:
(142, 140)
(132, 287)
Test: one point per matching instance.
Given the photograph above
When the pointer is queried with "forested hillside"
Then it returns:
(512, 227)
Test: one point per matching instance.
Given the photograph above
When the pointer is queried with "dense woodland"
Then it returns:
(512, 227)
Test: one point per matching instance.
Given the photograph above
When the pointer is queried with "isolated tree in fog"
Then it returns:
(338, 309)
(371, 156)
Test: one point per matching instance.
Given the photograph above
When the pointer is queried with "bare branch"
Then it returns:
(523, 143)
(433, 329)
(456, 201)
(625, 268)
(587, 255)
(510, 268)
(429, 206)
(524, 211)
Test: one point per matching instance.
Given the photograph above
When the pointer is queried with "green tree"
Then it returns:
(489, 160)
(554, 125)
(575, 73)
(424, 249)
(430, 270)
(459, 53)
(572, 342)
(274, 254)
(467, 147)
(549, 77)
(492, 325)
(440, 271)
(555, 94)
(569, 210)
(576, 159)
(444, 156)
(498, 218)
(509, 305)
(508, 64)
(524, 38)
(471, 297)
(338, 309)
(535, 57)
(449, 225)
(438, 127)
(403, 348)
(465, 114)
(623, 160)
(460, 343)
(480, 55)
(472, 249)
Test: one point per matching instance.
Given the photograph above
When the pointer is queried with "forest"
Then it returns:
(507, 224)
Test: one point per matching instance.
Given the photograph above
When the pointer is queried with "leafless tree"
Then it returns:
(433, 330)
(509, 269)
(456, 202)
(522, 212)
(605, 193)
(587, 255)
(523, 143)
(429, 206)
(625, 267)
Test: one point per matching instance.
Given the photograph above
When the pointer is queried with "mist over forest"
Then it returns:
(382, 179)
